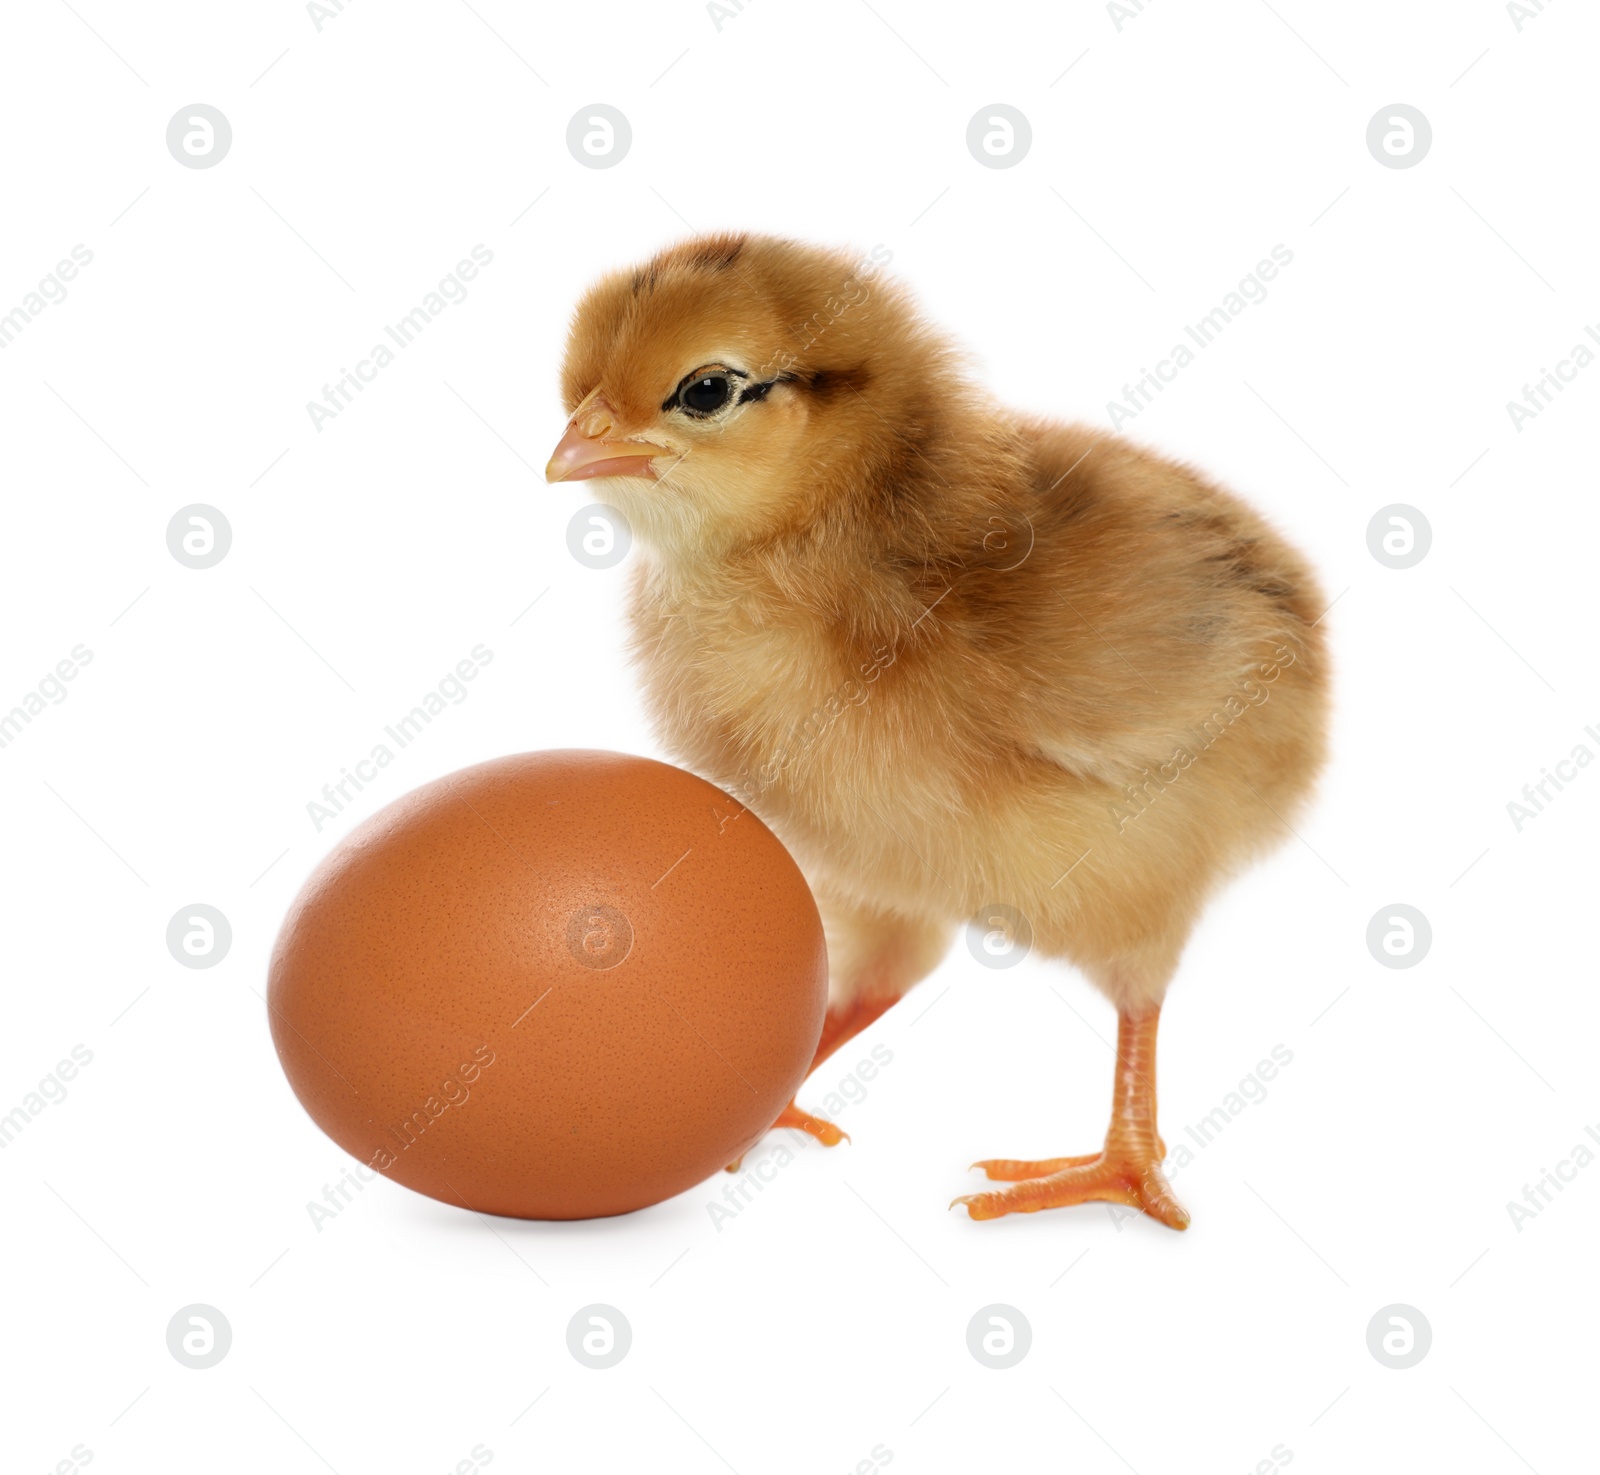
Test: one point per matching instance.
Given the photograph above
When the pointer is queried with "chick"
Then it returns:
(974, 667)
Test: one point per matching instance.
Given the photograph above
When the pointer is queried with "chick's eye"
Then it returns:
(706, 394)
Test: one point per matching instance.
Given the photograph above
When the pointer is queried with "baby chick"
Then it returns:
(973, 667)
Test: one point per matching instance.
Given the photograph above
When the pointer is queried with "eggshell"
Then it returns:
(554, 986)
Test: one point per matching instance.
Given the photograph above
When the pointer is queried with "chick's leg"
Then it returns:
(1127, 1170)
(842, 1024)
(874, 957)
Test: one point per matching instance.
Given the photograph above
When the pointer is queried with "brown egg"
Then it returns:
(554, 986)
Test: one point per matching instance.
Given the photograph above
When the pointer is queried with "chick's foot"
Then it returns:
(1014, 1170)
(819, 1127)
(1127, 1170)
(1113, 1176)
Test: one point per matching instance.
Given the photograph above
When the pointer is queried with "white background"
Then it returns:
(829, 1316)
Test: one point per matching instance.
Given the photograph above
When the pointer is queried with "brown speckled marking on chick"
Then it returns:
(434, 1018)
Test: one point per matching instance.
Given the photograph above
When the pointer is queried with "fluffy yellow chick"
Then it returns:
(972, 666)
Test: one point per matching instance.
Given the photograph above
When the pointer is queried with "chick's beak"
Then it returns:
(587, 449)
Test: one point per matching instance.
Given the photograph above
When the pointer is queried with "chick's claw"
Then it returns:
(1013, 1170)
(1111, 1178)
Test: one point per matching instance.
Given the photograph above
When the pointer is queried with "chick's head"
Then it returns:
(717, 390)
